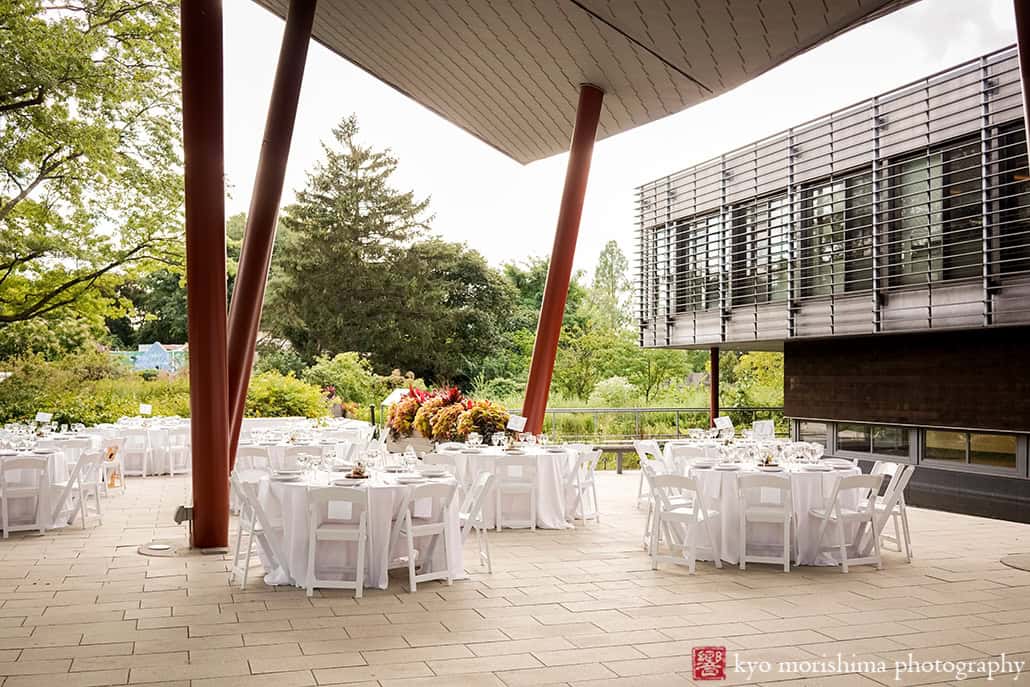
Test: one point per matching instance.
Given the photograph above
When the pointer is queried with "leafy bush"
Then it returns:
(445, 422)
(276, 395)
(281, 359)
(348, 374)
(500, 387)
(614, 392)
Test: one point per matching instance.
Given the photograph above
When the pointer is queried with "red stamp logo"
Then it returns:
(709, 662)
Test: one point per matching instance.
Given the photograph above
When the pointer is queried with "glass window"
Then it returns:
(853, 438)
(697, 264)
(942, 445)
(936, 216)
(814, 432)
(1013, 189)
(760, 251)
(996, 450)
(837, 236)
(890, 441)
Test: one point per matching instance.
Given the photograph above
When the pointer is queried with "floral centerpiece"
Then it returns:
(444, 415)
(484, 418)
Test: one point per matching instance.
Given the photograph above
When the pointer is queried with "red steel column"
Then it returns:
(1022, 8)
(202, 137)
(249, 289)
(713, 386)
(556, 290)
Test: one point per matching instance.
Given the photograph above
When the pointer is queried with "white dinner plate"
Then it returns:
(815, 467)
(42, 451)
(843, 467)
(286, 478)
(556, 450)
(410, 479)
(770, 468)
(727, 466)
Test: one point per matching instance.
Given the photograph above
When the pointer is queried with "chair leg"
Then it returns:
(908, 536)
(786, 544)
(486, 547)
(640, 489)
(646, 542)
(250, 549)
(532, 509)
(742, 546)
(844, 545)
(497, 508)
(359, 573)
(312, 545)
(412, 585)
(876, 548)
(82, 503)
(653, 545)
(447, 555)
(691, 544)
(236, 549)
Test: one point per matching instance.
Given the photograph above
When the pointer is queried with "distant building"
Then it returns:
(156, 356)
(885, 249)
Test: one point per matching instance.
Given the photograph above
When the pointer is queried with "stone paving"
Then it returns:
(581, 607)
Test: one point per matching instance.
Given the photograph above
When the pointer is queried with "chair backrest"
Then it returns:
(665, 488)
(440, 495)
(765, 491)
(648, 450)
(895, 490)
(33, 465)
(586, 463)
(135, 439)
(450, 461)
(322, 500)
(91, 468)
(253, 458)
(471, 512)
(868, 487)
(179, 437)
(345, 451)
(516, 469)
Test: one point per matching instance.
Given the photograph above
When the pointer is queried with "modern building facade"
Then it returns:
(885, 249)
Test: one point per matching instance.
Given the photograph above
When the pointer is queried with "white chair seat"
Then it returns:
(846, 514)
(338, 531)
(766, 514)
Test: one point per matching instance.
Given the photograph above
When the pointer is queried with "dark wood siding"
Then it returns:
(973, 379)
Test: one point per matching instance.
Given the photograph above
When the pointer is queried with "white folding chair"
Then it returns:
(83, 484)
(682, 456)
(178, 450)
(892, 506)
(470, 516)
(253, 459)
(258, 525)
(325, 526)
(449, 461)
(440, 496)
(580, 481)
(516, 476)
(23, 478)
(866, 490)
(765, 499)
(136, 444)
(680, 511)
(113, 466)
(649, 453)
(293, 452)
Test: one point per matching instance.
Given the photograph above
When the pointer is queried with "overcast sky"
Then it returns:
(507, 211)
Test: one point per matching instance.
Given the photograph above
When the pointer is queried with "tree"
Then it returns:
(609, 293)
(330, 281)
(654, 368)
(91, 189)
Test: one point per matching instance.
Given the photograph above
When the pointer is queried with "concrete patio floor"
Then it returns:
(581, 607)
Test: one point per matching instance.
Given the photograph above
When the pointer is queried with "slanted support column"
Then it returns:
(1022, 8)
(713, 386)
(202, 137)
(559, 274)
(259, 236)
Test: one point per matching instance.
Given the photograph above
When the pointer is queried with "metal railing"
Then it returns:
(593, 425)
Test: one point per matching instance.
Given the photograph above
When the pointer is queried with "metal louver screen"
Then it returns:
(908, 211)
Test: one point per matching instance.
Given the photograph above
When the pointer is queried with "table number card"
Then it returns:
(145, 409)
(764, 429)
(723, 422)
(516, 423)
(44, 417)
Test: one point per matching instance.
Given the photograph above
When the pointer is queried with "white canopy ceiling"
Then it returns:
(508, 71)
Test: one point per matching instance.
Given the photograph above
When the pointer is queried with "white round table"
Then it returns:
(809, 490)
(288, 500)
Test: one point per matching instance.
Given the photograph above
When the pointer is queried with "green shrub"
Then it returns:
(614, 392)
(276, 395)
(500, 388)
(348, 374)
(282, 359)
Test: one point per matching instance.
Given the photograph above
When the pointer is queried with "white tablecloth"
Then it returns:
(809, 489)
(288, 500)
(552, 500)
